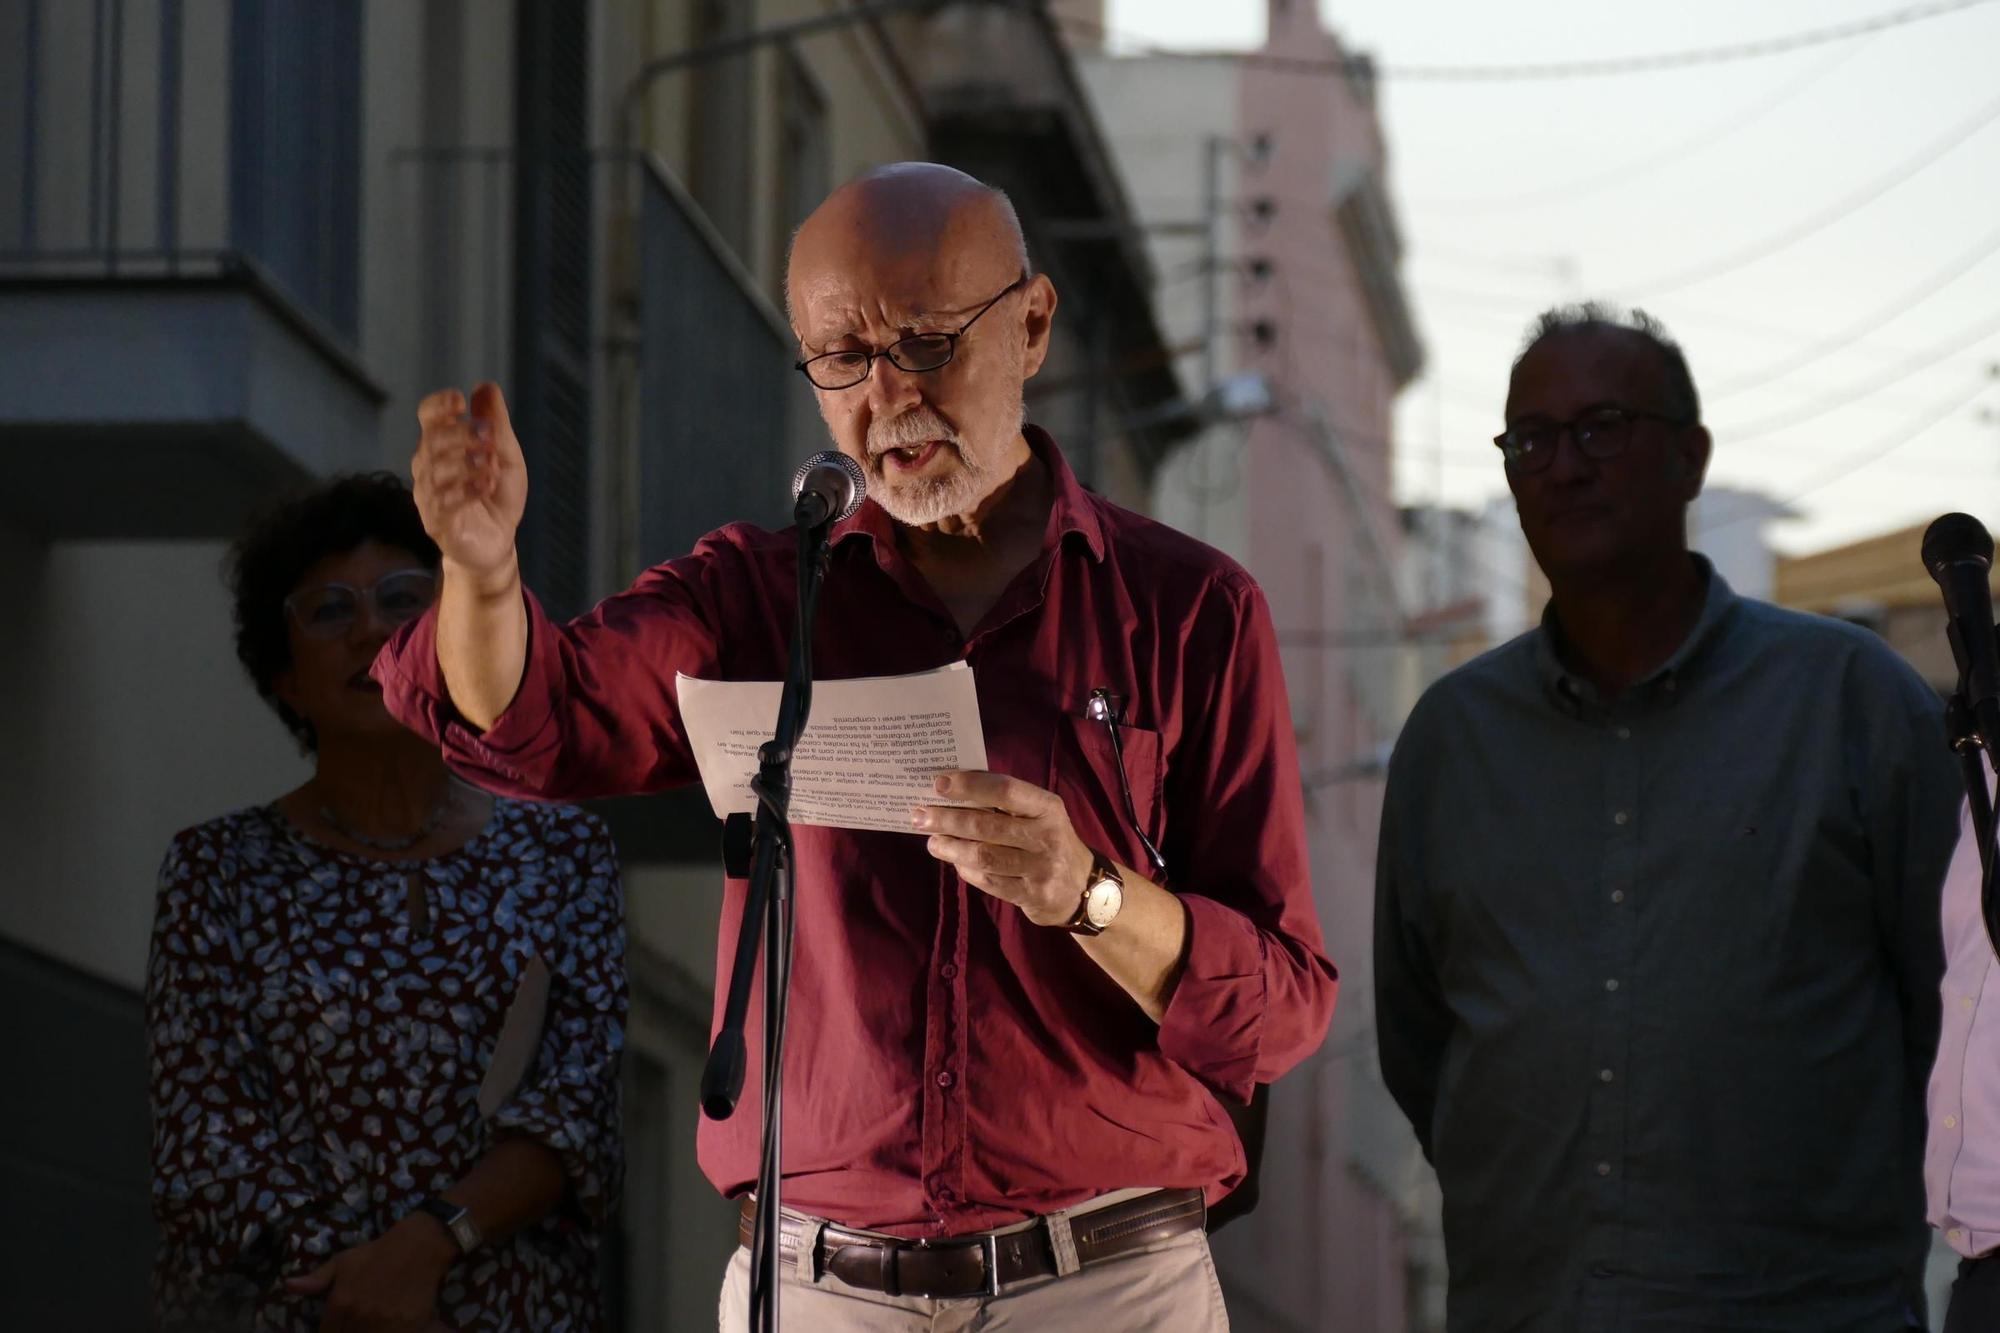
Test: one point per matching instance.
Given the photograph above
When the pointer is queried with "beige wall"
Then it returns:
(872, 116)
(437, 231)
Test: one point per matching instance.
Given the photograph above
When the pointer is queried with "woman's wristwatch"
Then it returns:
(457, 1220)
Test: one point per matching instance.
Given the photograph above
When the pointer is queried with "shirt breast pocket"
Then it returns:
(1084, 771)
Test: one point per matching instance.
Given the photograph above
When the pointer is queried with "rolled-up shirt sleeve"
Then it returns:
(596, 713)
(1256, 989)
(569, 1103)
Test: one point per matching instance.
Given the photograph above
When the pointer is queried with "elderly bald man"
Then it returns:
(1011, 1036)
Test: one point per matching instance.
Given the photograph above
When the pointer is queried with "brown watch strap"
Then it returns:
(1101, 869)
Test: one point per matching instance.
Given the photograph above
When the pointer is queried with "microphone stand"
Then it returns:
(764, 851)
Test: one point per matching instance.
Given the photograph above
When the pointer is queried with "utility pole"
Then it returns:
(1211, 255)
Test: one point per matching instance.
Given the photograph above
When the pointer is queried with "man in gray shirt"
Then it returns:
(1657, 944)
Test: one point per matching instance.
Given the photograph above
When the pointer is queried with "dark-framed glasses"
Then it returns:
(918, 352)
(1602, 432)
(330, 610)
(1109, 708)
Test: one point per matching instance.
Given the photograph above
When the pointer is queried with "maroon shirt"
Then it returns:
(951, 1066)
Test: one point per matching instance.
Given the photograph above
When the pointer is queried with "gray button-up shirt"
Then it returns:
(1657, 980)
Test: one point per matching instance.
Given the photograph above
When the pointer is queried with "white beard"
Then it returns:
(919, 501)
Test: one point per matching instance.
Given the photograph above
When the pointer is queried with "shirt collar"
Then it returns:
(1074, 509)
(1568, 688)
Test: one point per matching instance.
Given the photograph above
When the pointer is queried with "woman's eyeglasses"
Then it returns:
(1108, 708)
(330, 610)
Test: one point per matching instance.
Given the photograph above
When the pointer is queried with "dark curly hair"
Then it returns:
(288, 538)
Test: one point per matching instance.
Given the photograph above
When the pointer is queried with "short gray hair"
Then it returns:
(1585, 316)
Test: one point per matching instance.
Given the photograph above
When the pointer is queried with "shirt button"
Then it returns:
(1624, 733)
(1621, 818)
(1951, 1122)
(1611, 983)
(944, 1078)
(1602, 1270)
(944, 1194)
(1965, 1002)
(1618, 895)
(1603, 1076)
(948, 971)
(1955, 1234)
(1604, 1168)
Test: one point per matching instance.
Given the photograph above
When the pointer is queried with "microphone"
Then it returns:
(1958, 553)
(829, 486)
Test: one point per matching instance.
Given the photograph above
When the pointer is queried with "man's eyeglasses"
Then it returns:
(918, 352)
(329, 610)
(1602, 432)
(1108, 708)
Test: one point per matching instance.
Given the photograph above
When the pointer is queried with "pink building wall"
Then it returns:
(1328, 1243)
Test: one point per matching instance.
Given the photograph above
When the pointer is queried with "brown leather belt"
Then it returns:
(984, 1264)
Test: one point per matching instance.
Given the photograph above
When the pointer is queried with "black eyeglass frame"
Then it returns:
(1108, 708)
(1613, 420)
(950, 337)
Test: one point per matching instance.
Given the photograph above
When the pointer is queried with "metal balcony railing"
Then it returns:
(157, 138)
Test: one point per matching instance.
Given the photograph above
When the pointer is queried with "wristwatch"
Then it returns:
(1103, 895)
(458, 1221)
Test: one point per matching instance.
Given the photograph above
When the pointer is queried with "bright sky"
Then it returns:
(1820, 229)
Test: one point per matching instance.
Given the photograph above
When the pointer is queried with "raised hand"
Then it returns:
(471, 482)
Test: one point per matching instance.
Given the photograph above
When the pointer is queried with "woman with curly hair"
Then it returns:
(386, 1009)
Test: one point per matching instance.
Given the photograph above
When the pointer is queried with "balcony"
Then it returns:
(179, 268)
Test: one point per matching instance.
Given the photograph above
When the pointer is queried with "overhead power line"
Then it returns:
(1837, 211)
(1984, 249)
(1564, 193)
(1962, 341)
(1858, 460)
(1360, 66)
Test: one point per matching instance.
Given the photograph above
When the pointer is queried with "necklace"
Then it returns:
(431, 823)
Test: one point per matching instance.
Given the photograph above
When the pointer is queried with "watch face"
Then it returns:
(1106, 897)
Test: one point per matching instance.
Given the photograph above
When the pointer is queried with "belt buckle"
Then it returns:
(989, 1246)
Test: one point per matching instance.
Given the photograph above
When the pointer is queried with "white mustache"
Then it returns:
(912, 428)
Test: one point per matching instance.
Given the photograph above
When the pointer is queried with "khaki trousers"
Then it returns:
(1170, 1288)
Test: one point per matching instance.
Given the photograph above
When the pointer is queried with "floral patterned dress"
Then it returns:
(321, 1024)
